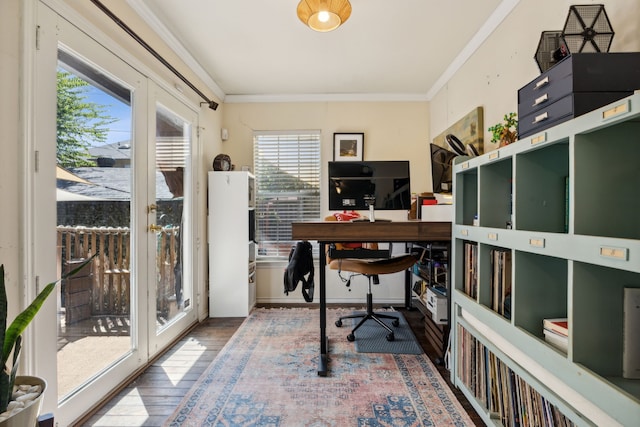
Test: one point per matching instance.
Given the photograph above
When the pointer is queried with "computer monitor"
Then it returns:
(352, 183)
(441, 168)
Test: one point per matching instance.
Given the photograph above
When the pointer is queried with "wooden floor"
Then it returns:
(152, 397)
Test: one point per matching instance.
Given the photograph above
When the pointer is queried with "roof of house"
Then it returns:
(109, 184)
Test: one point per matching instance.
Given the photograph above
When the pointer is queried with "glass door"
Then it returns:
(90, 139)
(170, 219)
(94, 198)
(113, 178)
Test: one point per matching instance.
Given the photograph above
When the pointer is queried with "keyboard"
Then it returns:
(367, 220)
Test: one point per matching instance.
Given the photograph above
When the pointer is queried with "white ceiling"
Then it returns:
(259, 49)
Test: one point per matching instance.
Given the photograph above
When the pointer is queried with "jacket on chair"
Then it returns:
(300, 265)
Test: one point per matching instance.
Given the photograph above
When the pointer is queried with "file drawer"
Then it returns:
(590, 79)
(570, 106)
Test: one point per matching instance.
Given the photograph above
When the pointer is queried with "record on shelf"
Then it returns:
(471, 151)
(455, 144)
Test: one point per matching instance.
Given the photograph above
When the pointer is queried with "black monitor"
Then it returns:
(352, 183)
(441, 168)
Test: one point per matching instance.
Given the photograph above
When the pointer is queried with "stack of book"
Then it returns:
(556, 332)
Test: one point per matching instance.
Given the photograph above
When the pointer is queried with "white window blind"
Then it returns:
(287, 170)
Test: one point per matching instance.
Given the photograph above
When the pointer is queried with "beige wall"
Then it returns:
(392, 130)
(504, 63)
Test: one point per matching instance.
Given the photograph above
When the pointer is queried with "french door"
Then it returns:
(114, 177)
(170, 217)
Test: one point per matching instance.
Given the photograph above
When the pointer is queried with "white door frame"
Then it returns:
(38, 232)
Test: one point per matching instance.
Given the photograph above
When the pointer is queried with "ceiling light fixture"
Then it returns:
(324, 15)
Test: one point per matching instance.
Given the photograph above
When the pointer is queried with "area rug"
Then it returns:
(372, 338)
(266, 375)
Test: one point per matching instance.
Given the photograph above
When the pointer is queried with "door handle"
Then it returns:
(155, 228)
(152, 208)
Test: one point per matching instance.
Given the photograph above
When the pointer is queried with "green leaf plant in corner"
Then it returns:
(506, 131)
(11, 337)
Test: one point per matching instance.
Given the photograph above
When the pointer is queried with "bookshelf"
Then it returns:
(563, 203)
(430, 279)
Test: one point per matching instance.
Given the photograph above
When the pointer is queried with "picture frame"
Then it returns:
(348, 146)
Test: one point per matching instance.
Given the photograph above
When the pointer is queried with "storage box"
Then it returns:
(437, 305)
(436, 213)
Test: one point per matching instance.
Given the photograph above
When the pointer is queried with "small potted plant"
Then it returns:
(11, 339)
(506, 131)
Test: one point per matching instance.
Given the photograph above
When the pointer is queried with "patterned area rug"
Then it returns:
(266, 375)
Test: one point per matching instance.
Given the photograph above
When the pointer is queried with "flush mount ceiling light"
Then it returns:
(324, 15)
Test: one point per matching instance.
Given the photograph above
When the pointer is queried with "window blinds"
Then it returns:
(287, 172)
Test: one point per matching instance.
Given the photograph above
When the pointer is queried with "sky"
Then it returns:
(121, 129)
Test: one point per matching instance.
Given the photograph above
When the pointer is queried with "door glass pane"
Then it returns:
(94, 193)
(173, 293)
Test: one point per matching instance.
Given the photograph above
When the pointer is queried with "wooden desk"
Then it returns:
(380, 231)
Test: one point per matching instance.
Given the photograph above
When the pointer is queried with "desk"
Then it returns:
(380, 231)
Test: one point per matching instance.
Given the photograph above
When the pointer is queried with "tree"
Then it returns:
(80, 123)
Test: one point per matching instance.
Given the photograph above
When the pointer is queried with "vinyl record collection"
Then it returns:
(505, 395)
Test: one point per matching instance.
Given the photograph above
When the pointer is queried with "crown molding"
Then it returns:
(502, 11)
(335, 97)
(163, 32)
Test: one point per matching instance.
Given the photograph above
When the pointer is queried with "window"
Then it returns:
(287, 171)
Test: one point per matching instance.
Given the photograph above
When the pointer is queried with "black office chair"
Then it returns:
(370, 262)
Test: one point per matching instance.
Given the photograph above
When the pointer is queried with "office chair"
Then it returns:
(368, 261)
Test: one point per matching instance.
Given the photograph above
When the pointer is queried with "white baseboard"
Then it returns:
(354, 301)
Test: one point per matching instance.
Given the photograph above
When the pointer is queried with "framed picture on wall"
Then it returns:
(348, 146)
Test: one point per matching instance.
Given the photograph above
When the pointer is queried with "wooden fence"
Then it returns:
(106, 288)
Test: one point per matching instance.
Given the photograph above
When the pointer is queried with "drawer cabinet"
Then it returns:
(568, 107)
(578, 84)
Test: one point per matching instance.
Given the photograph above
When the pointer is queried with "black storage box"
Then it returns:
(576, 85)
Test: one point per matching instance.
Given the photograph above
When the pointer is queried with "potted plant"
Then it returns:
(11, 339)
(506, 131)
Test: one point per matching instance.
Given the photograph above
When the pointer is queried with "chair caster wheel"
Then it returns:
(390, 336)
(351, 337)
(395, 322)
(338, 323)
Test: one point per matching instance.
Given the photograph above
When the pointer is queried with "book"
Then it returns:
(559, 341)
(559, 325)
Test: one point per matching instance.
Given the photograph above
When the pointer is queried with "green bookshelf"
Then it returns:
(563, 203)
